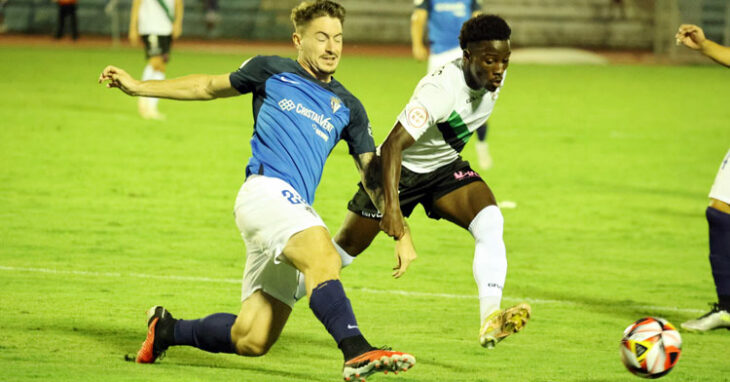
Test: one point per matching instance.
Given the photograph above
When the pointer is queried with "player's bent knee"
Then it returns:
(250, 344)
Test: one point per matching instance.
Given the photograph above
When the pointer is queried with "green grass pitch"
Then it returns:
(103, 214)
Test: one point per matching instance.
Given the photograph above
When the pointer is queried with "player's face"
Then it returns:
(320, 46)
(485, 63)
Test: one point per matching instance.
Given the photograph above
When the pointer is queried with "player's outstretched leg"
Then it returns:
(160, 330)
(376, 360)
(501, 323)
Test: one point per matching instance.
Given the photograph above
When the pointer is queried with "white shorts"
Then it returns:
(268, 212)
(721, 188)
(436, 61)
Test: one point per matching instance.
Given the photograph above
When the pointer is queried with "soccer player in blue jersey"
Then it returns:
(442, 19)
(300, 113)
(718, 212)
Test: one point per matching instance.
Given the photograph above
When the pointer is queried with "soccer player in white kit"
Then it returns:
(157, 22)
(421, 157)
(718, 212)
(442, 19)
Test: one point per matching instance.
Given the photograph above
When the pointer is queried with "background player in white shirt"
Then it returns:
(422, 165)
(157, 22)
(718, 212)
(442, 19)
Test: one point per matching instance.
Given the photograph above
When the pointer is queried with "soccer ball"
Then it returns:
(650, 347)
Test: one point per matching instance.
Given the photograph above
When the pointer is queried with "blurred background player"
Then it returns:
(158, 22)
(442, 21)
(67, 9)
(718, 212)
(212, 17)
(3, 27)
(301, 112)
(422, 165)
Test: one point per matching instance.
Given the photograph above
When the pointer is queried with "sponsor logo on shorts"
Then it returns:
(461, 175)
(417, 117)
(372, 215)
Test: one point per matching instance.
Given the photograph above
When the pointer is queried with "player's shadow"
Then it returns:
(126, 341)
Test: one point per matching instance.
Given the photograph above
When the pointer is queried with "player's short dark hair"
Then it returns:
(484, 28)
(307, 11)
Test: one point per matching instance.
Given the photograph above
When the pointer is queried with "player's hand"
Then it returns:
(405, 253)
(118, 78)
(392, 224)
(177, 30)
(420, 52)
(691, 36)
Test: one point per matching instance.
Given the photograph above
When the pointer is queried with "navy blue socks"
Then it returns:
(719, 223)
(212, 333)
(333, 309)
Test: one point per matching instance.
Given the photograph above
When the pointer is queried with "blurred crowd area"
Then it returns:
(596, 24)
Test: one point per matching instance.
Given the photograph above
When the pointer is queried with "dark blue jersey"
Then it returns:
(298, 120)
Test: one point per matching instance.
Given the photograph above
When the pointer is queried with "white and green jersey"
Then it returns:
(441, 117)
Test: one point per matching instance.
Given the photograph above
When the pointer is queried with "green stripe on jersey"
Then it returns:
(460, 129)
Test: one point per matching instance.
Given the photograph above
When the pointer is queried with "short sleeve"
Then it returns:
(422, 4)
(251, 73)
(431, 104)
(358, 134)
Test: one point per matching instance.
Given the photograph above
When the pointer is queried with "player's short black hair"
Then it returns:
(484, 28)
(307, 11)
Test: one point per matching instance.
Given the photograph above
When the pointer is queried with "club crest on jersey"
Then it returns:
(417, 117)
(335, 103)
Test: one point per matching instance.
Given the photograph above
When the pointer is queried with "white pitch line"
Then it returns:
(366, 290)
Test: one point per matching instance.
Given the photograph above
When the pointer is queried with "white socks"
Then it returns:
(150, 73)
(490, 258)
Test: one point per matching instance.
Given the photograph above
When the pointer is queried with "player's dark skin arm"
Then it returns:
(391, 152)
(368, 164)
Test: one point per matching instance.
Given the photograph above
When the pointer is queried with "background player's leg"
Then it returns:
(356, 234)
(154, 70)
(718, 218)
(482, 148)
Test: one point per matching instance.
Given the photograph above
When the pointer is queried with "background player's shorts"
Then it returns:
(155, 45)
(721, 188)
(268, 212)
(415, 188)
(438, 60)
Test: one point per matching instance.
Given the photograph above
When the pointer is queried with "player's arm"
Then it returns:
(419, 18)
(177, 26)
(133, 21)
(368, 165)
(391, 152)
(693, 37)
(192, 87)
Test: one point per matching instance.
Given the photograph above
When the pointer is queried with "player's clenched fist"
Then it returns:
(691, 36)
(118, 78)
